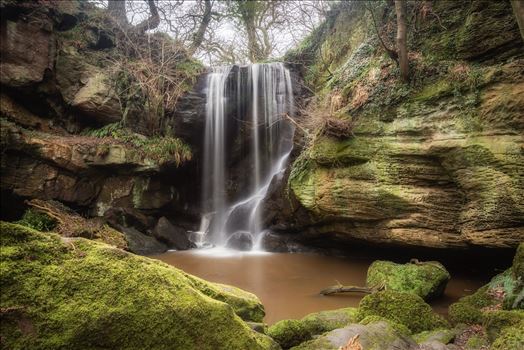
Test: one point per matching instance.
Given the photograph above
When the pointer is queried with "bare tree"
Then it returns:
(118, 10)
(204, 23)
(400, 8)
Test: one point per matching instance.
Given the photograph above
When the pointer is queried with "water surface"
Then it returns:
(288, 284)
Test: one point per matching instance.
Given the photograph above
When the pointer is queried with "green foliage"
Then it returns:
(162, 149)
(496, 321)
(37, 220)
(87, 295)
(426, 280)
(443, 335)
(407, 309)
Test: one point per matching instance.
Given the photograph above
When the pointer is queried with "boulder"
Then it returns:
(81, 294)
(406, 309)
(139, 243)
(173, 236)
(98, 99)
(27, 50)
(240, 241)
(289, 333)
(427, 280)
(375, 336)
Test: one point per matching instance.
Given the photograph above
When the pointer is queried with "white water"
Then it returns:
(257, 101)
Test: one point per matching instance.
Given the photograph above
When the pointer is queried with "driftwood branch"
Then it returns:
(350, 289)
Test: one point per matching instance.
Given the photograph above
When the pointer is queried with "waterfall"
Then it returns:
(245, 118)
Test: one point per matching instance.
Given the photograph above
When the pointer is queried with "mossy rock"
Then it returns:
(80, 294)
(477, 342)
(511, 338)
(404, 308)
(462, 312)
(289, 333)
(427, 280)
(374, 336)
(497, 321)
(443, 335)
(397, 326)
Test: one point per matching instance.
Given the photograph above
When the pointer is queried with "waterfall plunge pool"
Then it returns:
(288, 283)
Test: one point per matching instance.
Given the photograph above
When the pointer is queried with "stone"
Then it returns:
(173, 236)
(84, 295)
(289, 333)
(240, 241)
(27, 51)
(375, 336)
(406, 309)
(98, 99)
(139, 243)
(427, 280)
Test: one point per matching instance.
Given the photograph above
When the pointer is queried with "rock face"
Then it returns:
(63, 108)
(427, 280)
(436, 163)
(81, 294)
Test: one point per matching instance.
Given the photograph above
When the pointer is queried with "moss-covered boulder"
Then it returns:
(80, 294)
(497, 321)
(404, 308)
(504, 291)
(375, 336)
(442, 335)
(427, 280)
(289, 333)
(511, 338)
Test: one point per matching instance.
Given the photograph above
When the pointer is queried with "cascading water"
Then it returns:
(246, 106)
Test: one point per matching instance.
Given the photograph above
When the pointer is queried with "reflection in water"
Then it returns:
(288, 284)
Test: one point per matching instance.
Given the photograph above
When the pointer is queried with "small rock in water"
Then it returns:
(240, 241)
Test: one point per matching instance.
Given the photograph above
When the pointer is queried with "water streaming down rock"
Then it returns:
(245, 115)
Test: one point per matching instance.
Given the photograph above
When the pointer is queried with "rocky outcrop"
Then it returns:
(76, 293)
(65, 96)
(436, 163)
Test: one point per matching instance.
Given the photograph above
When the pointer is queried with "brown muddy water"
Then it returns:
(288, 284)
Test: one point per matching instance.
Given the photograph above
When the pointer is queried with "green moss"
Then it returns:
(477, 342)
(511, 338)
(463, 312)
(443, 335)
(37, 220)
(496, 321)
(404, 308)
(396, 326)
(290, 333)
(426, 280)
(82, 294)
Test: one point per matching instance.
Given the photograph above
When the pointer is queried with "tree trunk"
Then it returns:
(199, 36)
(117, 10)
(400, 8)
(152, 22)
(518, 10)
